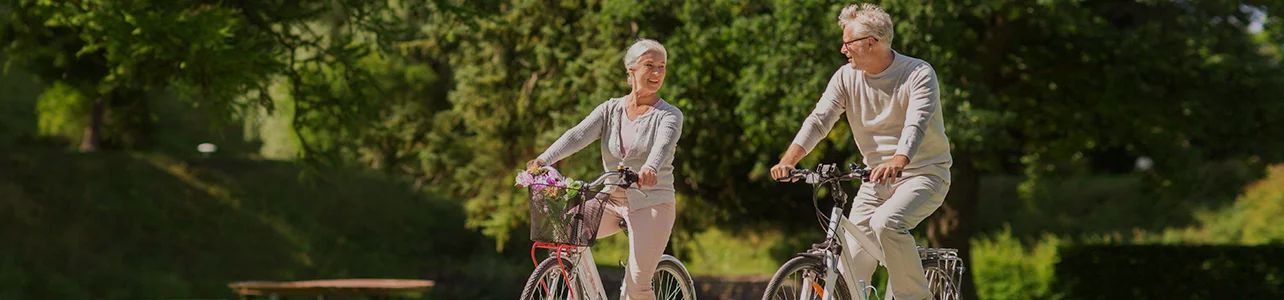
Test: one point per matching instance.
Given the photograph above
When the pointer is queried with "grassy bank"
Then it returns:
(131, 226)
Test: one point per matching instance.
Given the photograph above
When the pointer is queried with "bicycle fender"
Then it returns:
(675, 260)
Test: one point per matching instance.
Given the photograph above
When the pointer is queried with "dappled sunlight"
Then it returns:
(129, 228)
(221, 194)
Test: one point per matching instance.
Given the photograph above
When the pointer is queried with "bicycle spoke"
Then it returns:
(669, 286)
(677, 286)
(660, 289)
(553, 286)
(663, 287)
(942, 283)
(804, 284)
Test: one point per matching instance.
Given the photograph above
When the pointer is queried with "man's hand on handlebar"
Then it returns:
(887, 172)
(783, 173)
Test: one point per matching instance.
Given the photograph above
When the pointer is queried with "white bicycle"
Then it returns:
(814, 274)
(565, 221)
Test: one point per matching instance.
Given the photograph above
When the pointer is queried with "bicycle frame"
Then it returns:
(837, 228)
(839, 225)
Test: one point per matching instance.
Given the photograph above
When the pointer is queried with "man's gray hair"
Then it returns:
(871, 18)
(633, 56)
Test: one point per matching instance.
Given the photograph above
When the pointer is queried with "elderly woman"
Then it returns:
(640, 131)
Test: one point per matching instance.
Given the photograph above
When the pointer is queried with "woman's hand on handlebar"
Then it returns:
(647, 177)
(535, 163)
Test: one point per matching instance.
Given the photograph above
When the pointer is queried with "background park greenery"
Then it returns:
(379, 138)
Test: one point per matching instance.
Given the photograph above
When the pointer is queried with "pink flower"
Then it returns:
(553, 173)
(524, 179)
(551, 181)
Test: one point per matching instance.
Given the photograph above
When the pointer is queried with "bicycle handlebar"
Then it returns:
(830, 172)
(622, 172)
(629, 177)
(829, 175)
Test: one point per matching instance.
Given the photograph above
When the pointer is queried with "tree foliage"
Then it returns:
(113, 50)
(1039, 88)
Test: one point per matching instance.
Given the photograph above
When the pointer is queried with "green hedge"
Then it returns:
(1172, 272)
(1005, 268)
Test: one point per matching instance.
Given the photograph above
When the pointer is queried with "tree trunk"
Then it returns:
(93, 134)
(951, 225)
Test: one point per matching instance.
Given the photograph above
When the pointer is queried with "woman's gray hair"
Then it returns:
(871, 17)
(633, 56)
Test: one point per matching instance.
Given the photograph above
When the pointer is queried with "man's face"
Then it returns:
(855, 46)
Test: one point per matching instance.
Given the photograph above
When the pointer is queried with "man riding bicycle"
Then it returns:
(892, 102)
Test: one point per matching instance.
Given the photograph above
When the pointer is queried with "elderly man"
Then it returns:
(893, 105)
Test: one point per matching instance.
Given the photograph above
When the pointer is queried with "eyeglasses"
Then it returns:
(845, 44)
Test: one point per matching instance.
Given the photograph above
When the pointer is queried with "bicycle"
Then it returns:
(569, 229)
(816, 269)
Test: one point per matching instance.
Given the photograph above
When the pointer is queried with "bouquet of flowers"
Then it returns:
(550, 195)
(546, 181)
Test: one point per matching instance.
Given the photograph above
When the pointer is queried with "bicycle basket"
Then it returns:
(562, 215)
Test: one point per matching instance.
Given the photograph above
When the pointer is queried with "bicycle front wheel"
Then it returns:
(548, 282)
(671, 281)
(803, 277)
(943, 279)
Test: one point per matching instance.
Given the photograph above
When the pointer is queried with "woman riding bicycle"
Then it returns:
(639, 131)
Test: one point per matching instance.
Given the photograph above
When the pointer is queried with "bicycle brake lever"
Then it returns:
(626, 188)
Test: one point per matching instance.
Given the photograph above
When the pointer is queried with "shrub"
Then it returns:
(1171, 272)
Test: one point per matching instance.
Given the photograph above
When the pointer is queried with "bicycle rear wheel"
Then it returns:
(548, 281)
(671, 280)
(942, 279)
(803, 277)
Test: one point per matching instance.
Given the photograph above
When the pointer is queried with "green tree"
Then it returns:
(113, 50)
(220, 55)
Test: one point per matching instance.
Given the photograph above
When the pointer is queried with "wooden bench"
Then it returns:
(372, 288)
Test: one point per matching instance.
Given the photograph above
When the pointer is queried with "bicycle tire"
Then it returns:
(942, 281)
(671, 267)
(550, 268)
(797, 265)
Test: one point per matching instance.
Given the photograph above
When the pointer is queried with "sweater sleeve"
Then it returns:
(666, 140)
(924, 101)
(578, 137)
(831, 106)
